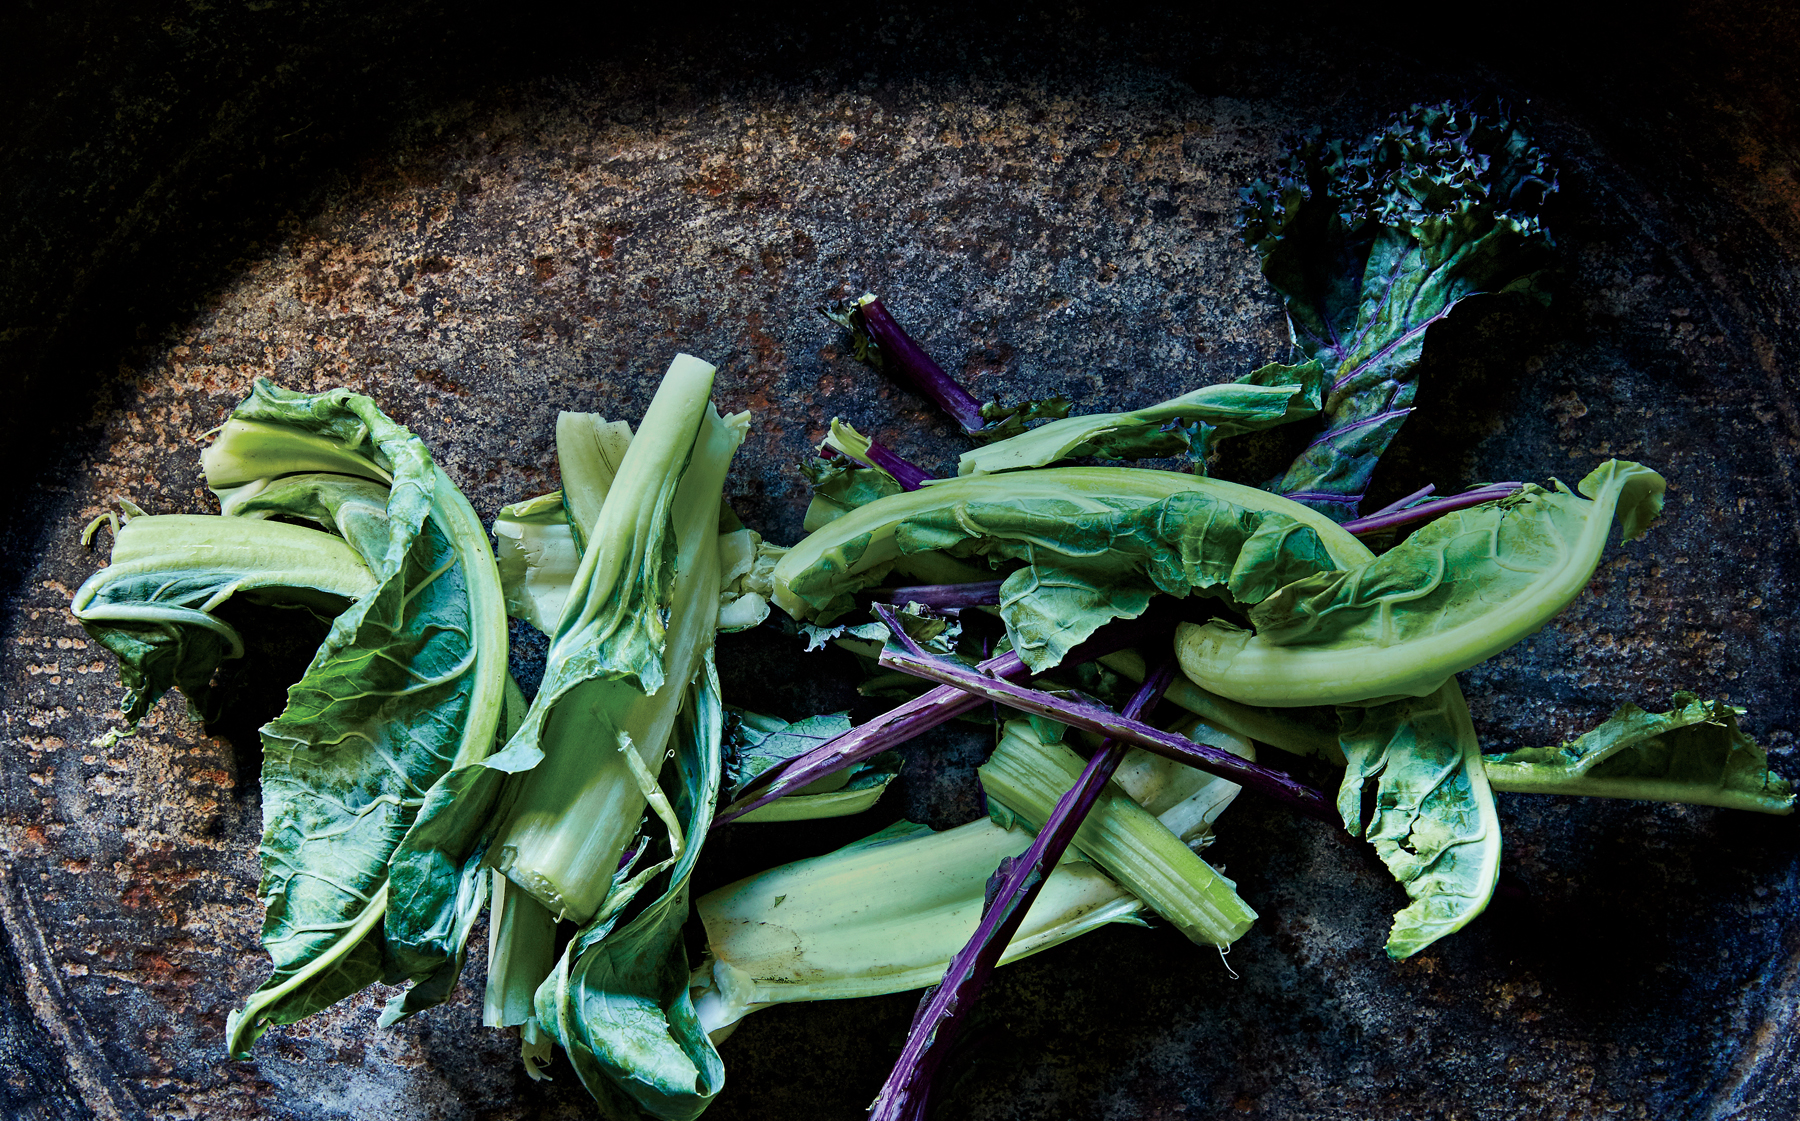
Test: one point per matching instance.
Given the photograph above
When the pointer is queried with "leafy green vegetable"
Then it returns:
(1434, 824)
(618, 1001)
(589, 450)
(1456, 592)
(1092, 544)
(841, 484)
(1192, 423)
(1693, 753)
(538, 553)
(555, 810)
(153, 605)
(1372, 244)
(408, 682)
(603, 703)
(746, 568)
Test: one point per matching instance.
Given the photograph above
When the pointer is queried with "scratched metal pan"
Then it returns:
(480, 223)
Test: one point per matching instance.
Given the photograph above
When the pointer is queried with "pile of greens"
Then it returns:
(1139, 638)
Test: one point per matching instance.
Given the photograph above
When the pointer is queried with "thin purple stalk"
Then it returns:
(906, 360)
(943, 1010)
(1423, 492)
(984, 593)
(918, 716)
(1349, 500)
(1391, 518)
(908, 474)
(1252, 776)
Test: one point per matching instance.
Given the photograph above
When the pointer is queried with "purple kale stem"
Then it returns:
(1252, 776)
(944, 1008)
(907, 474)
(908, 361)
(918, 716)
(1423, 492)
(1389, 519)
(985, 593)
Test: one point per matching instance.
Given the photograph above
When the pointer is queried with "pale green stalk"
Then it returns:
(537, 555)
(1028, 776)
(576, 810)
(888, 913)
(881, 916)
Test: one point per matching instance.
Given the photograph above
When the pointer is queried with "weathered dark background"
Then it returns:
(481, 216)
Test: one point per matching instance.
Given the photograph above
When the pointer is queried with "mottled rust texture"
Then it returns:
(1046, 198)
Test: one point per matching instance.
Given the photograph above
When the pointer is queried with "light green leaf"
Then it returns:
(408, 683)
(1191, 423)
(1088, 544)
(1693, 753)
(538, 552)
(1460, 590)
(1434, 824)
(153, 605)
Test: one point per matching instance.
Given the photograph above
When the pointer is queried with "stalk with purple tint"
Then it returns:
(1252, 776)
(918, 716)
(941, 1014)
(1401, 514)
(905, 359)
(945, 597)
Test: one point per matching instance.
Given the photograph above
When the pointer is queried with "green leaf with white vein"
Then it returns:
(1434, 824)
(407, 683)
(1191, 423)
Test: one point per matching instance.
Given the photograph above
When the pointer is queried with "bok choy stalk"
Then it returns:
(881, 342)
(888, 913)
(643, 615)
(1372, 244)
(639, 618)
(1092, 544)
(1012, 889)
(1454, 593)
(618, 1001)
(407, 684)
(1191, 424)
(538, 556)
(1027, 776)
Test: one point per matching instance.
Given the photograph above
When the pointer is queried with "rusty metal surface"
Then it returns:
(1050, 204)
